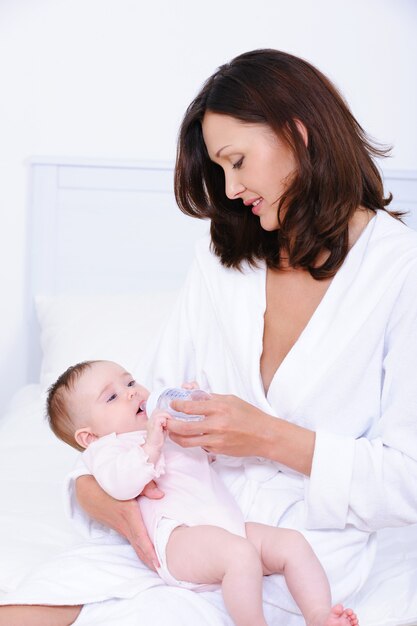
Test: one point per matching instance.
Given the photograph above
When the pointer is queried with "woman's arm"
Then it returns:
(237, 428)
(122, 516)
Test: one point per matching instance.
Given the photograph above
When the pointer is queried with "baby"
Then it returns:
(198, 530)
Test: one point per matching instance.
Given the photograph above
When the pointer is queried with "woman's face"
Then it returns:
(257, 164)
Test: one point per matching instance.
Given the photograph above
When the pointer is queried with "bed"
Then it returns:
(90, 297)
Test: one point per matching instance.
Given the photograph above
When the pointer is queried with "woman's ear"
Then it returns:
(302, 130)
(84, 436)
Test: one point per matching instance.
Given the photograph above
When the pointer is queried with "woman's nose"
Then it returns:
(233, 188)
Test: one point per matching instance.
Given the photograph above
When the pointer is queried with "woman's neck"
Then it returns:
(358, 223)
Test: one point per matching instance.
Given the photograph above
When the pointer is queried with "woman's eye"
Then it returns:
(112, 397)
(238, 164)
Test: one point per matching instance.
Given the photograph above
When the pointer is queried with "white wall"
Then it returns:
(111, 79)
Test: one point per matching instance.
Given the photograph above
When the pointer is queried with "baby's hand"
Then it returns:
(156, 428)
(191, 385)
(155, 438)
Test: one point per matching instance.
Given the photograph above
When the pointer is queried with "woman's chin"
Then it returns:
(268, 225)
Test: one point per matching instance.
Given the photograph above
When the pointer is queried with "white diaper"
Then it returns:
(163, 532)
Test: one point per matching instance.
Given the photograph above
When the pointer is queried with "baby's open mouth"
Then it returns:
(141, 408)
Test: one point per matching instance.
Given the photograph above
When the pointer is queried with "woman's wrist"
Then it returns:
(288, 444)
(127, 515)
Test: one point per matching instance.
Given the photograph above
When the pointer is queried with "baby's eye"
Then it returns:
(238, 164)
(132, 383)
(112, 397)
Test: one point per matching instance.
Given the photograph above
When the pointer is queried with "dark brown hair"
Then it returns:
(335, 172)
(58, 413)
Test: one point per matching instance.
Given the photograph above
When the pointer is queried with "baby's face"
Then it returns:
(107, 399)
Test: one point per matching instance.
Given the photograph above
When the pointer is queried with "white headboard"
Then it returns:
(114, 227)
(102, 228)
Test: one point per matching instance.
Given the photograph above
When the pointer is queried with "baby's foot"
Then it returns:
(352, 617)
(338, 616)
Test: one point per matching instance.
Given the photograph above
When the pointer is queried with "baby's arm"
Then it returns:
(123, 470)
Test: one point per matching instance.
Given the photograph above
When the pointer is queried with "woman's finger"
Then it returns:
(189, 442)
(187, 429)
(145, 551)
(138, 537)
(152, 491)
(201, 407)
(192, 407)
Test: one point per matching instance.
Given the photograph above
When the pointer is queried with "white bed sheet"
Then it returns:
(33, 464)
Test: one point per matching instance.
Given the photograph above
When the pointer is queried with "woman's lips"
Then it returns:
(256, 206)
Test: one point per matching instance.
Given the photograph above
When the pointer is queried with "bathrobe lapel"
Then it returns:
(331, 327)
(349, 301)
(355, 291)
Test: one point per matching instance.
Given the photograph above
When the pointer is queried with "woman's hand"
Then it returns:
(234, 427)
(135, 529)
(122, 516)
(230, 426)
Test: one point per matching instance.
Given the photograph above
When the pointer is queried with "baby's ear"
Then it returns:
(84, 436)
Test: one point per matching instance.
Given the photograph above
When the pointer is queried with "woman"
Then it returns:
(305, 309)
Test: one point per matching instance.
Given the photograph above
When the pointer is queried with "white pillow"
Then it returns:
(121, 328)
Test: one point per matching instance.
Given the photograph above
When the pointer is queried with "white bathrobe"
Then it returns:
(351, 377)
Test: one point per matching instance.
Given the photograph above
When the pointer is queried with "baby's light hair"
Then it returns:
(58, 413)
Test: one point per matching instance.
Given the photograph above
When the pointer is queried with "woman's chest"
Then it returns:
(292, 297)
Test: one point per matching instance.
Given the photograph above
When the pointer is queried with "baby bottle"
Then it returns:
(161, 399)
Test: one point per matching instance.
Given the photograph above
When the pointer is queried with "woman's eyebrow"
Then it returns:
(218, 151)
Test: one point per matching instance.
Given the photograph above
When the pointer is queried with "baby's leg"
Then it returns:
(208, 554)
(285, 551)
(19, 615)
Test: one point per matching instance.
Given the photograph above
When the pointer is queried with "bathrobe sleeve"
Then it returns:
(120, 468)
(371, 482)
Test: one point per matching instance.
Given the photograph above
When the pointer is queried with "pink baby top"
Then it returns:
(194, 493)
